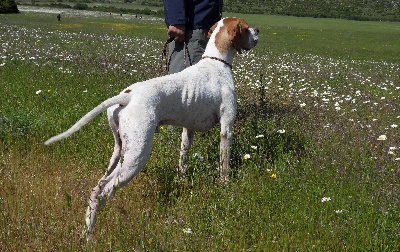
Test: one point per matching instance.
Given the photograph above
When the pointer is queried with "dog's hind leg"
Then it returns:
(112, 114)
(137, 151)
(96, 202)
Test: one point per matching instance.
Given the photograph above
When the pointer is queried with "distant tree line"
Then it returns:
(368, 10)
(388, 10)
(8, 6)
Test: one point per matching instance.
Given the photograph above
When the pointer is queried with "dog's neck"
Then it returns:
(216, 49)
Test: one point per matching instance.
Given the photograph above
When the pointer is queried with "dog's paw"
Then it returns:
(86, 236)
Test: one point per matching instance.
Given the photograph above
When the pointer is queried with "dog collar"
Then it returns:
(215, 58)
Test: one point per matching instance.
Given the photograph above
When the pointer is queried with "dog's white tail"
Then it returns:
(122, 99)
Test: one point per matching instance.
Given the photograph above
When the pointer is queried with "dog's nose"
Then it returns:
(256, 30)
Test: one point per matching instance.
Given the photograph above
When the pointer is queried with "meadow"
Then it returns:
(315, 158)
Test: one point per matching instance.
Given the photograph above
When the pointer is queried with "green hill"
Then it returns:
(366, 10)
(387, 10)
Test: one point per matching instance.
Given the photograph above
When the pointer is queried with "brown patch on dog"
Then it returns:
(127, 91)
(234, 33)
(212, 30)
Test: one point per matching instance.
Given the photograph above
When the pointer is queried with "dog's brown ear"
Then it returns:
(237, 37)
(211, 30)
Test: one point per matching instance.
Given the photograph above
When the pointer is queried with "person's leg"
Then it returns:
(196, 44)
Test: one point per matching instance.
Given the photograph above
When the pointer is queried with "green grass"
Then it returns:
(312, 105)
(329, 37)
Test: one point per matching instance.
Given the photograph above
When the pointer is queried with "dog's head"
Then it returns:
(233, 32)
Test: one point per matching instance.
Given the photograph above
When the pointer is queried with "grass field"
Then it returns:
(315, 155)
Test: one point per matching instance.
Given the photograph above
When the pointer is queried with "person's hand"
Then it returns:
(177, 32)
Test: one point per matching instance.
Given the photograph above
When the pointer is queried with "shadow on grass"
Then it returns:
(260, 133)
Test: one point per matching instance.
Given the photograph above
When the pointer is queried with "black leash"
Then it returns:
(164, 54)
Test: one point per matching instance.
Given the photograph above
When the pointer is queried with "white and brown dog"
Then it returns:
(196, 99)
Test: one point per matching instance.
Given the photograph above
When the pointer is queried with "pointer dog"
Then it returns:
(197, 99)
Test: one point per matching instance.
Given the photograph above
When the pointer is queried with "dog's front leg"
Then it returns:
(187, 140)
(225, 152)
